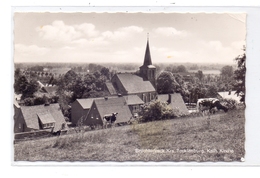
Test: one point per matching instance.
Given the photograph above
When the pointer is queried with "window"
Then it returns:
(134, 108)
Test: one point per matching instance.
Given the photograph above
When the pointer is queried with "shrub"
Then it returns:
(157, 110)
(231, 104)
(28, 101)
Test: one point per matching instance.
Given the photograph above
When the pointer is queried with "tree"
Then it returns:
(211, 91)
(227, 72)
(239, 76)
(17, 73)
(199, 75)
(165, 83)
(156, 110)
(105, 71)
(25, 87)
(181, 68)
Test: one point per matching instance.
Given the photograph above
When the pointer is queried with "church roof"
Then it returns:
(135, 84)
(110, 88)
(147, 57)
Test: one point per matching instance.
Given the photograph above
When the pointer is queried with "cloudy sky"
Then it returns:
(122, 37)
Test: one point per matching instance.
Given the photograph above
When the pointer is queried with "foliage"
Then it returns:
(227, 71)
(212, 91)
(166, 83)
(231, 104)
(157, 110)
(73, 86)
(25, 87)
(239, 76)
(199, 75)
(28, 101)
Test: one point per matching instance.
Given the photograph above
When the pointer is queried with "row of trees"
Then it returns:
(201, 85)
(73, 86)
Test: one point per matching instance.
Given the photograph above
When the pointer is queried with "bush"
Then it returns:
(157, 110)
(28, 101)
(231, 104)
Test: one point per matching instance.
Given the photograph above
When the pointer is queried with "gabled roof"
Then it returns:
(85, 102)
(232, 95)
(111, 88)
(45, 117)
(31, 113)
(176, 102)
(133, 100)
(112, 105)
(134, 84)
(50, 89)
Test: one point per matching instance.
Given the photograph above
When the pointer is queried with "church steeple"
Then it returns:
(147, 70)
(147, 57)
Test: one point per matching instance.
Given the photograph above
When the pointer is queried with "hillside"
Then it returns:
(182, 139)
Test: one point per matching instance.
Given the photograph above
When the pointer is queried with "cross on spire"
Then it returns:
(147, 36)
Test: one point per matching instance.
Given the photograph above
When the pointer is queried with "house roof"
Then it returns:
(232, 95)
(50, 89)
(85, 102)
(46, 117)
(135, 84)
(112, 105)
(176, 102)
(111, 88)
(133, 100)
(31, 114)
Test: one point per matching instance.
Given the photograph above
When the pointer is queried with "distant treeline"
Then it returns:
(84, 67)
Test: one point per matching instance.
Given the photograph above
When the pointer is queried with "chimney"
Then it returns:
(169, 98)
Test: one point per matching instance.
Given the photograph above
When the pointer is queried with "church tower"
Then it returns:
(147, 70)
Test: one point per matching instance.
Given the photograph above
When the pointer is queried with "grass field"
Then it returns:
(181, 139)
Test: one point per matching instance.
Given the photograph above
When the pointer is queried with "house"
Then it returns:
(229, 95)
(105, 106)
(40, 117)
(79, 108)
(142, 85)
(175, 101)
(134, 103)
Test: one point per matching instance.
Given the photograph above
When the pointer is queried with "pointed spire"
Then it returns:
(147, 57)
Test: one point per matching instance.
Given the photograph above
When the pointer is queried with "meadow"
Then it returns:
(181, 139)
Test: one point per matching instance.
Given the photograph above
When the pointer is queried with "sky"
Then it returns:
(122, 37)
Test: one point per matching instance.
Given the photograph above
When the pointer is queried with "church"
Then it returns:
(142, 85)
